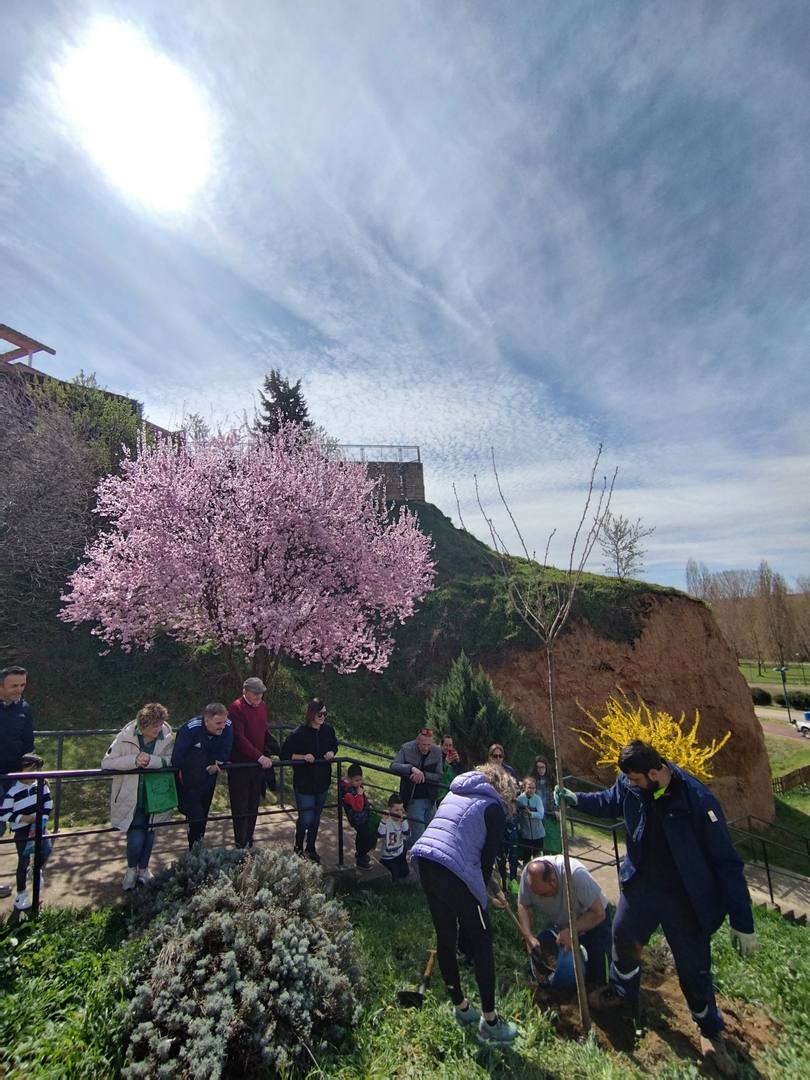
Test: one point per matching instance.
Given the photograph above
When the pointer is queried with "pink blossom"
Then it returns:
(271, 545)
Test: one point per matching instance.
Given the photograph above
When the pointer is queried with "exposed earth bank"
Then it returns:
(678, 663)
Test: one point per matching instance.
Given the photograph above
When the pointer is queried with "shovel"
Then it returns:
(413, 999)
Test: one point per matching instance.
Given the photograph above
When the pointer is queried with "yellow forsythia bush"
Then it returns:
(624, 721)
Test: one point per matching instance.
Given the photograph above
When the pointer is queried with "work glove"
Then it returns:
(561, 793)
(745, 944)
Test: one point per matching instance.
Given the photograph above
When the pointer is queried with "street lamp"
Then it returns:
(783, 671)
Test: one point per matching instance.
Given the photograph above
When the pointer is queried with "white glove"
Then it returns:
(745, 944)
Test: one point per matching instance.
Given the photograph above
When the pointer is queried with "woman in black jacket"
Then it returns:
(313, 744)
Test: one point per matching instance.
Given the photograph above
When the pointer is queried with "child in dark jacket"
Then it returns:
(358, 812)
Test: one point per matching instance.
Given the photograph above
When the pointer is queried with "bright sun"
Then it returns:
(140, 117)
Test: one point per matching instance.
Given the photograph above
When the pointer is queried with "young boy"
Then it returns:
(358, 810)
(18, 808)
(394, 829)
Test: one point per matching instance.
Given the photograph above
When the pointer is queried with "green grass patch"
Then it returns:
(797, 675)
(63, 979)
(786, 754)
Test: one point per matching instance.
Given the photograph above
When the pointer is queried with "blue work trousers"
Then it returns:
(643, 907)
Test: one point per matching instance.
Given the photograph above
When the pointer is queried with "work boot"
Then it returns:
(714, 1051)
(500, 1033)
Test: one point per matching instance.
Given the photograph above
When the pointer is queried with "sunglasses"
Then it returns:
(497, 757)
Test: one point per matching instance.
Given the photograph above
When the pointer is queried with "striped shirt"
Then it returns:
(21, 800)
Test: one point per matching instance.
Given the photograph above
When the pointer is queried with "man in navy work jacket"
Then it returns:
(201, 747)
(16, 730)
(681, 873)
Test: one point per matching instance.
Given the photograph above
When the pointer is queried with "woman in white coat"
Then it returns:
(145, 743)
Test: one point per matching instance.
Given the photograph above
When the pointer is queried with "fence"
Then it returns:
(792, 780)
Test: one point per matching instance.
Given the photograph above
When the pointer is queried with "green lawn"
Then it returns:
(786, 754)
(64, 977)
(797, 675)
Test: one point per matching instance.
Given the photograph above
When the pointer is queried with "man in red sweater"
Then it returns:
(248, 715)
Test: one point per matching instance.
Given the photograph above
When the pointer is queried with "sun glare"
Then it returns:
(140, 117)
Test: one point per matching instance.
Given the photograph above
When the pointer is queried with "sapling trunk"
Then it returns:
(579, 971)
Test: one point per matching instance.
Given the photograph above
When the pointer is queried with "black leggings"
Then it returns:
(452, 908)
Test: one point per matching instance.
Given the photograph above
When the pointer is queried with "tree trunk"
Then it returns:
(579, 971)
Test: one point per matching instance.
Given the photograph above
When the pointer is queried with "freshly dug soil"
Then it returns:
(666, 1030)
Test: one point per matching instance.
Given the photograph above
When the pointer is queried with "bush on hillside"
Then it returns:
(799, 699)
(622, 721)
(250, 969)
(760, 696)
(468, 707)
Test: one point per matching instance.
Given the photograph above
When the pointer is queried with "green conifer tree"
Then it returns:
(468, 707)
(281, 403)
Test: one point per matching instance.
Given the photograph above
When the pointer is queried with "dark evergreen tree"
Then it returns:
(280, 403)
(468, 707)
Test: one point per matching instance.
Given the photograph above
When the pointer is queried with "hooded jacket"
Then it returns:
(466, 832)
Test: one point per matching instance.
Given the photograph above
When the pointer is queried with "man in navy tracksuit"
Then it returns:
(16, 730)
(680, 872)
(201, 747)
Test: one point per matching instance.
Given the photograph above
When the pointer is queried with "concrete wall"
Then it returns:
(404, 480)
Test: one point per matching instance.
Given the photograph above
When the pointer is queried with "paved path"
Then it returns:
(87, 870)
(775, 721)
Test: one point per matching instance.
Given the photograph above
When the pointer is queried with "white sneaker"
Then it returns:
(130, 879)
(22, 901)
(144, 876)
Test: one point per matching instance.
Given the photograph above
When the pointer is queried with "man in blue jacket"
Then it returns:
(680, 872)
(16, 730)
(201, 747)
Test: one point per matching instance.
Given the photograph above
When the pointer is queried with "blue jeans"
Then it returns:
(420, 812)
(140, 840)
(596, 943)
(309, 818)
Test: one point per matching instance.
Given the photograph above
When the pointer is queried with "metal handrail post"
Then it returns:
(39, 811)
(57, 795)
(339, 816)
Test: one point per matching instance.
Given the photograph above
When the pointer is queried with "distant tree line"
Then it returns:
(759, 615)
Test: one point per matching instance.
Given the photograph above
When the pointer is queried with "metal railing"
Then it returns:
(380, 452)
(60, 776)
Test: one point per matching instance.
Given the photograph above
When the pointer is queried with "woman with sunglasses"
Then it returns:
(313, 745)
(508, 855)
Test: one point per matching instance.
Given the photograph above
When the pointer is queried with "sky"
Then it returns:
(523, 227)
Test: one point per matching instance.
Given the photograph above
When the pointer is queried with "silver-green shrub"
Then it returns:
(250, 969)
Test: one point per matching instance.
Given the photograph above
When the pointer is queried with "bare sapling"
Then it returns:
(543, 599)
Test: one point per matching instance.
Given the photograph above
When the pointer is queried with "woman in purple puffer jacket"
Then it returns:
(455, 856)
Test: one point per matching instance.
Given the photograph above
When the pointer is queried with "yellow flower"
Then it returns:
(624, 721)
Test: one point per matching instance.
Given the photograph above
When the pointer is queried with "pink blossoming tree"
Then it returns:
(266, 550)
